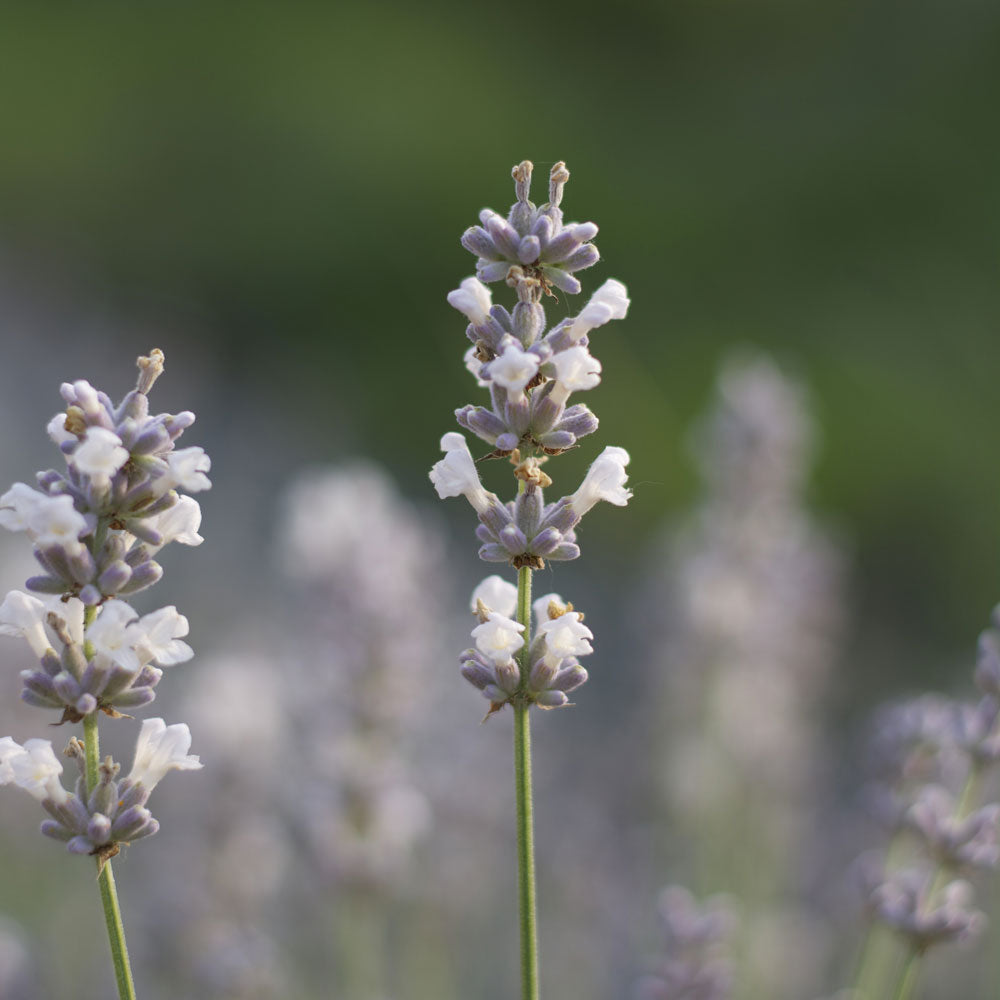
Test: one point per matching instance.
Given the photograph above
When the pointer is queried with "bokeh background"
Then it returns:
(273, 195)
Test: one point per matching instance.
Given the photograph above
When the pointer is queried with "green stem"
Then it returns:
(525, 819)
(106, 877)
(907, 977)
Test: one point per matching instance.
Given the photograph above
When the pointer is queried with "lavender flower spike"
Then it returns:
(95, 530)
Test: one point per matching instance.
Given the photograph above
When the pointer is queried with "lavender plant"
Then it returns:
(935, 756)
(530, 372)
(751, 589)
(96, 528)
(695, 961)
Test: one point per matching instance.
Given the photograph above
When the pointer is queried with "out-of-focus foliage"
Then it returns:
(287, 182)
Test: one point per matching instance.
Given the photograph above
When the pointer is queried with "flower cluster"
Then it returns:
(530, 372)
(940, 752)
(697, 939)
(553, 669)
(114, 812)
(96, 528)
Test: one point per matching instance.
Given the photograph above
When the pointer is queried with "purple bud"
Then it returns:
(79, 845)
(557, 440)
(504, 235)
(98, 828)
(491, 552)
(561, 515)
(52, 828)
(67, 686)
(586, 256)
(565, 552)
(478, 675)
(144, 532)
(542, 229)
(51, 663)
(46, 585)
(154, 438)
(41, 686)
(145, 575)
(546, 541)
(477, 241)
(85, 704)
(95, 675)
(482, 422)
(528, 510)
(569, 678)
(528, 250)
(507, 442)
(495, 694)
(513, 539)
(37, 700)
(132, 795)
(551, 699)
(578, 420)
(129, 822)
(492, 271)
(115, 577)
(133, 698)
(564, 281)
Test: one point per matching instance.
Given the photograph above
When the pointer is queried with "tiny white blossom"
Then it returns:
(17, 505)
(56, 429)
(610, 301)
(565, 636)
(499, 637)
(188, 468)
(100, 454)
(24, 615)
(33, 767)
(576, 369)
(54, 521)
(115, 634)
(497, 594)
(473, 299)
(605, 480)
(70, 611)
(456, 475)
(158, 638)
(8, 749)
(161, 748)
(179, 523)
(514, 369)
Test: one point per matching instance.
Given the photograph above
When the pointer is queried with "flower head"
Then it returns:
(456, 475)
(161, 748)
(499, 637)
(473, 299)
(605, 480)
(497, 594)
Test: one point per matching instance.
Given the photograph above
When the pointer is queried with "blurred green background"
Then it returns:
(277, 191)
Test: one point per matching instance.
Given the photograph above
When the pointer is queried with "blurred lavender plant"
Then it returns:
(350, 553)
(695, 961)
(933, 758)
(753, 598)
(530, 373)
(95, 529)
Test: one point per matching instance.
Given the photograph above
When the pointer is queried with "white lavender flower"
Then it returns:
(95, 530)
